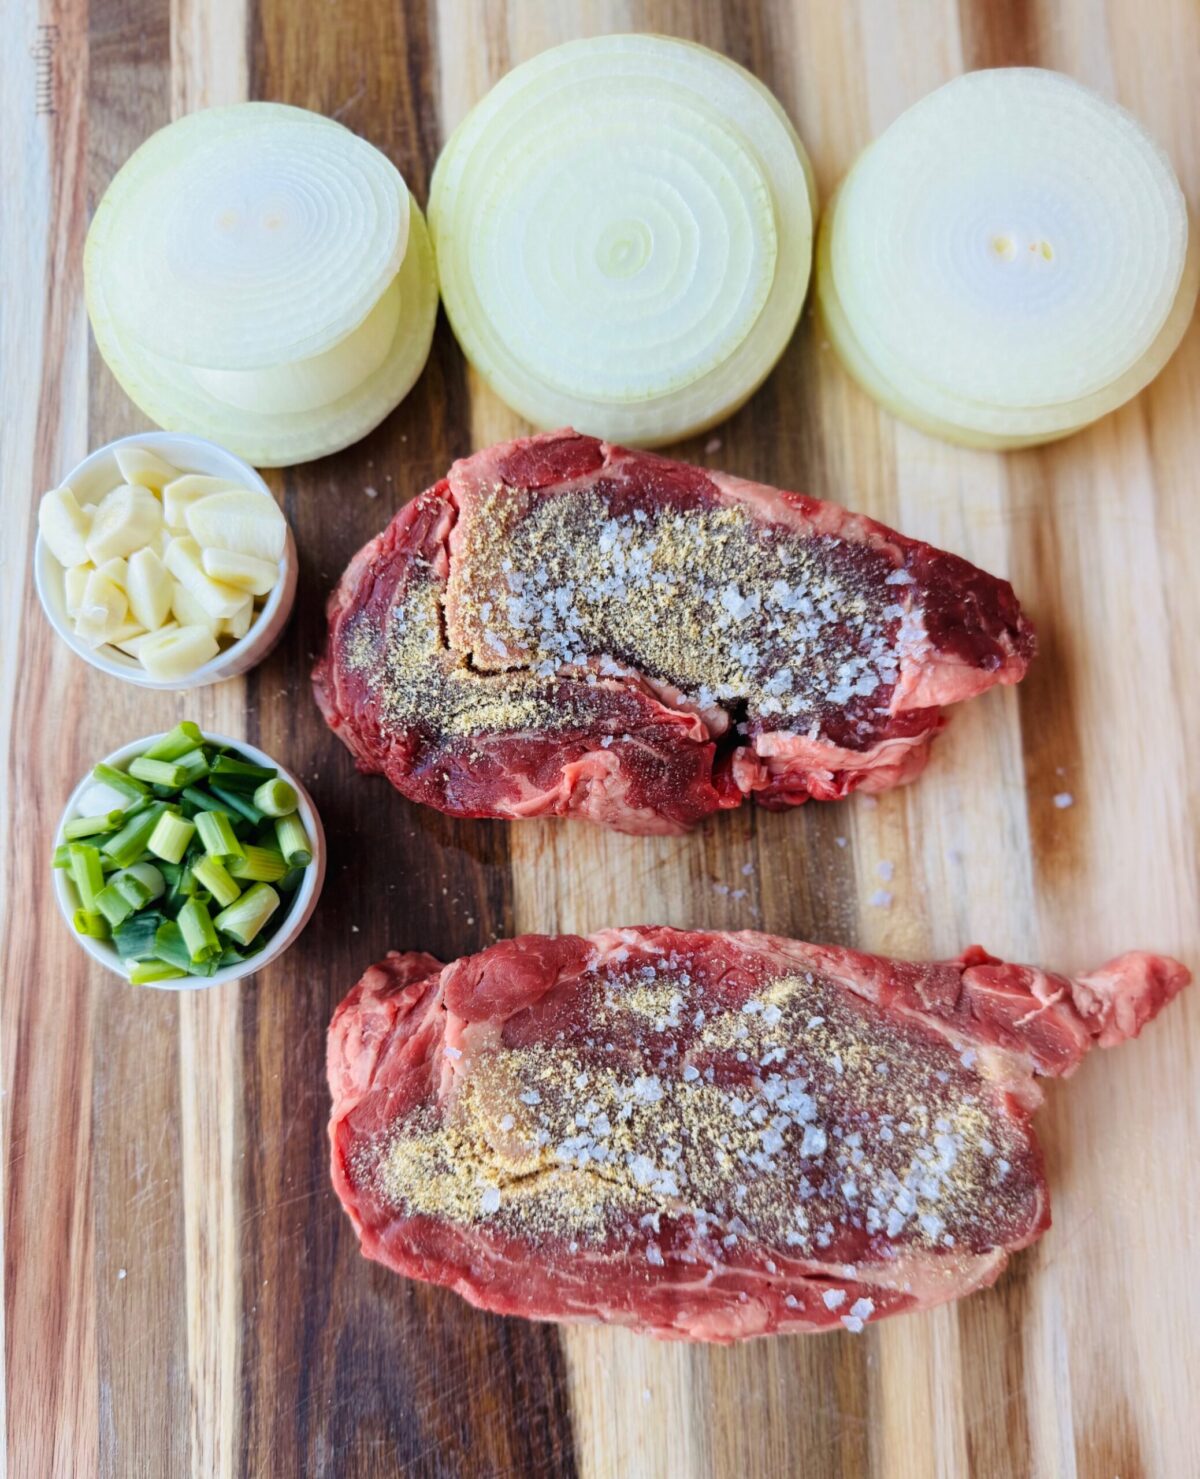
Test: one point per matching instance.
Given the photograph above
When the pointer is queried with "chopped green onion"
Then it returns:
(169, 945)
(170, 837)
(120, 781)
(127, 845)
(78, 827)
(293, 841)
(86, 872)
(62, 856)
(203, 801)
(216, 880)
(238, 803)
(150, 878)
(195, 763)
(92, 923)
(240, 773)
(158, 772)
(179, 887)
(179, 741)
(113, 904)
(141, 884)
(146, 972)
(136, 939)
(196, 926)
(259, 864)
(291, 880)
(243, 919)
(276, 798)
(216, 836)
(130, 887)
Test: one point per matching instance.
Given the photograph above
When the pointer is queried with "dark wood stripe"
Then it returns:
(1048, 701)
(992, 1331)
(346, 1366)
(999, 35)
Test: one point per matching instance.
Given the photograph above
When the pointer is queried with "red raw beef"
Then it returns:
(707, 1136)
(563, 627)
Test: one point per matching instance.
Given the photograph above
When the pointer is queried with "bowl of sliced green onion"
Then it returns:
(186, 860)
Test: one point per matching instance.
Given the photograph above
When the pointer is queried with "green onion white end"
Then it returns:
(1009, 261)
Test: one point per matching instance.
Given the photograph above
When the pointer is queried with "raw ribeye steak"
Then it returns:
(707, 1136)
(565, 627)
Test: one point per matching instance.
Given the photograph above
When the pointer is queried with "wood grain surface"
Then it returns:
(182, 1295)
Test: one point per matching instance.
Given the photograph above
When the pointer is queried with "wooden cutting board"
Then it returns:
(182, 1293)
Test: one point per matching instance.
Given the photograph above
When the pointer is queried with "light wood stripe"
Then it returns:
(210, 67)
(50, 1405)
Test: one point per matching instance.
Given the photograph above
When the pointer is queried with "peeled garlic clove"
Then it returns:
(177, 652)
(116, 570)
(183, 561)
(74, 581)
(237, 626)
(128, 631)
(140, 467)
(241, 520)
(187, 489)
(64, 526)
(102, 610)
(125, 520)
(148, 587)
(245, 572)
(133, 644)
(189, 612)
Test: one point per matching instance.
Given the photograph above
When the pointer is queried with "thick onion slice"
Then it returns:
(172, 395)
(307, 384)
(624, 236)
(261, 276)
(1009, 261)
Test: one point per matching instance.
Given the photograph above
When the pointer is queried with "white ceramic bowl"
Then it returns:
(90, 481)
(304, 901)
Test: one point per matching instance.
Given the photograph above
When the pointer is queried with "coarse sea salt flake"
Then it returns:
(833, 1298)
(814, 1143)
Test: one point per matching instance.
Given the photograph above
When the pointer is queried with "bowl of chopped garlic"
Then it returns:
(164, 560)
